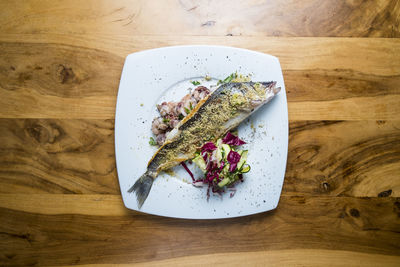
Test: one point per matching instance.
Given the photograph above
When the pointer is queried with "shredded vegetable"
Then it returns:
(188, 170)
(222, 163)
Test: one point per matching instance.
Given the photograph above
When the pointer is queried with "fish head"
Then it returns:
(249, 96)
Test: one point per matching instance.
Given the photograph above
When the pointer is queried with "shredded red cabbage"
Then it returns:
(232, 140)
(211, 166)
(187, 169)
(208, 147)
(222, 165)
(233, 159)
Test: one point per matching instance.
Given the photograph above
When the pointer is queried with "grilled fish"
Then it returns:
(212, 117)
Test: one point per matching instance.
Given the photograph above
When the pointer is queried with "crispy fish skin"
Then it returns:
(221, 111)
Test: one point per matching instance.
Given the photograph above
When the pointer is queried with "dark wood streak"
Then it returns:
(350, 165)
(317, 85)
(32, 182)
(300, 126)
(306, 222)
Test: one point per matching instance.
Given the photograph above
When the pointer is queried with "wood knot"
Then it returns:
(355, 213)
(326, 186)
(385, 193)
(65, 74)
(39, 133)
(43, 133)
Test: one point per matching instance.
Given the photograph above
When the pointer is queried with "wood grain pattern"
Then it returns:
(336, 158)
(57, 156)
(59, 81)
(368, 225)
(188, 17)
(342, 158)
(292, 257)
(60, 64)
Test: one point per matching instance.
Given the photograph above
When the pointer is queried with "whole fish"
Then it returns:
(212, 117)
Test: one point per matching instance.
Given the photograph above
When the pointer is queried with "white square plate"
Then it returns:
(152, 76)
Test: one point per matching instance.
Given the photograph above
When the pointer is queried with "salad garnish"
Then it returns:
(222, 164)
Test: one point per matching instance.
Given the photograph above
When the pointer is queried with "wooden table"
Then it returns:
(60, 64)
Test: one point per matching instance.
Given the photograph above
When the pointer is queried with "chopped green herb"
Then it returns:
(165, 120)
(190, 105)
(152, 142)
(195, 82)
(228, 79)
(187, 110)
(180, 117)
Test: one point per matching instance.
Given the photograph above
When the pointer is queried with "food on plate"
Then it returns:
(173, 112)
(222, 110)
(222, 163)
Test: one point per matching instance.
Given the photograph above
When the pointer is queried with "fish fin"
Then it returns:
(142, 188)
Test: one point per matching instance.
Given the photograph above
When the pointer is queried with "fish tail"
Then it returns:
(142, 188)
